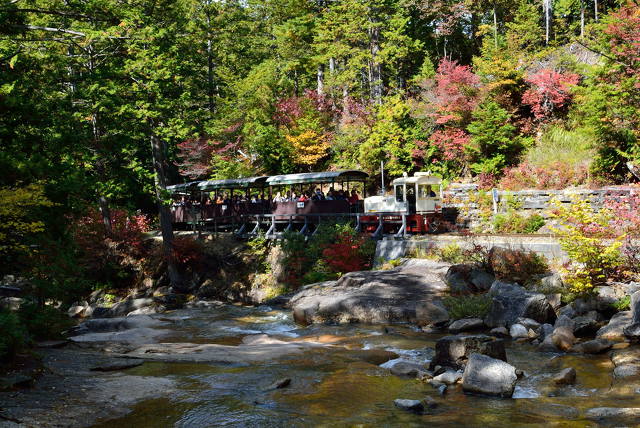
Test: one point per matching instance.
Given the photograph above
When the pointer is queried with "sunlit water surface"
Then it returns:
(330, 388)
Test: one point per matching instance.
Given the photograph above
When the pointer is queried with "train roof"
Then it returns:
(317, 177)
(183, 187)
(420, 178)
(233, 183)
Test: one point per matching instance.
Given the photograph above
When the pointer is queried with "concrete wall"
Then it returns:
(547, 246)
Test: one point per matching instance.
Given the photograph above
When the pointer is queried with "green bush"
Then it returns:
(470, 306)
(13, 336)
(450, 253)
(623, 304)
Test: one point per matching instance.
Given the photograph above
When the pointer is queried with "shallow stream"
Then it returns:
(331, 388)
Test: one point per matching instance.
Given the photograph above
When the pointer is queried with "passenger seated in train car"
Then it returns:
(207, 201)
(354, 198)
(429, 192)
(330, 195)
(219, 200)
(318, 195)
(278, 198)
(304, 197)
(340, 196)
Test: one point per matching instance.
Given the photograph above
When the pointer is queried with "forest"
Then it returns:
(105, 102)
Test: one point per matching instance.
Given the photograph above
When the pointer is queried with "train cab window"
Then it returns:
(426, 191)
(400, 193)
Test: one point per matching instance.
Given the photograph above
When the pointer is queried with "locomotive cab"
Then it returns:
(420, 194)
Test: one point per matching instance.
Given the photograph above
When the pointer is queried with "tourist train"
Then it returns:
(274, 204)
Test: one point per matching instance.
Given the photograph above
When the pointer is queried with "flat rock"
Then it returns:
(407, 293)
(415, 406)
(453, 351)
(407, 369)
(626, 356)
(626, 371)
(486, 375)
(614, 330)
(499, 332)
(449, 377)
(279, 384)
(595, 346)
(119, 364)
(565, 377)
(466, 324)
(613, 413)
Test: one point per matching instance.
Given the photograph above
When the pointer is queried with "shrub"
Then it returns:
(13, 337)
(187, 252)
(513, 222)
(469, 306)
(556, 175)
(450, 253)
(515, 265)
(349, 253)
(622, 304)
(589, 241)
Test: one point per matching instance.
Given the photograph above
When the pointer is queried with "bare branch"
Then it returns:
(54, 30)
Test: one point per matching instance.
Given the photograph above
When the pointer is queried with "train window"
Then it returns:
(426, 191)
(400, 193)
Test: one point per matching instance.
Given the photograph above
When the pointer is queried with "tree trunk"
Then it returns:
(495, 26)
(582, 19)
(375, 74)
(210, 86)
(548, 8)
(159, 163)
(320, 77)
(332, 65)
(595, 9)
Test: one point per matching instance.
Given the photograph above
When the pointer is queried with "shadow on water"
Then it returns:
(329, 387)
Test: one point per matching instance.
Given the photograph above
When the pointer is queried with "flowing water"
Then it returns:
(331, 388)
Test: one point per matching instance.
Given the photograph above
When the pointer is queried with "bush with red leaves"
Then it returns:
(345, 254)
(549, 92)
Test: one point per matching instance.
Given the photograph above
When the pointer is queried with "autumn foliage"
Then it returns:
(345, 255)
(549, 92)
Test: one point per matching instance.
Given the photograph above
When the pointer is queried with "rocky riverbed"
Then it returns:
(374, 348)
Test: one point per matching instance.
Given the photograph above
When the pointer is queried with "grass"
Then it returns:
(571, 147)
(470, 306)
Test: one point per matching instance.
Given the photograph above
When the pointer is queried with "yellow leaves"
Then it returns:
(310, 147)
(19, 218)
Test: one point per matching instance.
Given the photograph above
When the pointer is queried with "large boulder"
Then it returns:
(587, 325)
(467, 278)
(632, 331)
(453, 351)
(562, 336)
(486, 375)
(595, 346)
(511, 301)
(408, 293)
(614, 330)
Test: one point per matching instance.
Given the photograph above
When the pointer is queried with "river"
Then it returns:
(329, 387)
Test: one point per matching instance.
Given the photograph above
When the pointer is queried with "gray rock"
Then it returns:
(279, 384)
(415, 406)
(545, 330)
(442, 389)
(563, 338)
(511, 301)
(14, 381)
(568, 311)
(430, 313)
(587, 324)
(481, 280)
(407, 369)
(613, 413)
(551, 283)
(626, 370)
(614, 330)
(375, 297)
(76, 311)
(528, 323)
(595, 346)
(486, 375)
(453, 351)
(518, 331)
(564, 321)
(626, 356)
(555, 300)
(449, 377)
(466, 324)
(565, 377)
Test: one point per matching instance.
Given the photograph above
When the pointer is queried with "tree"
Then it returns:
(494, 144)
(550, 91)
